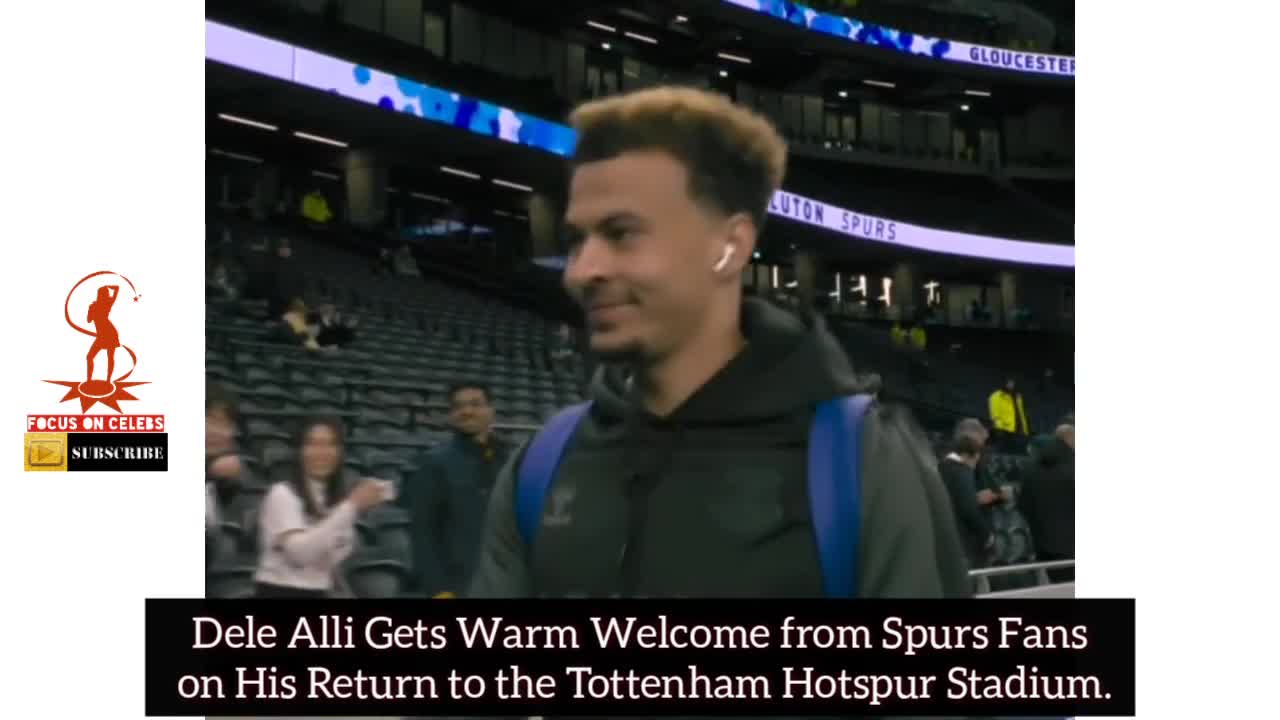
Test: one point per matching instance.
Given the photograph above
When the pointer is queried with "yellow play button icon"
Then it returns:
(45, 452)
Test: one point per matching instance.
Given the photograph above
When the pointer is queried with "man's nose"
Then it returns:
(589, 263)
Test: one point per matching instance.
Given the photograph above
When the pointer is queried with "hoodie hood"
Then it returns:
(1056, 452)
(780, 344)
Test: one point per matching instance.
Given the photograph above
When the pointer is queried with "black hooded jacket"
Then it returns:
(1049, 500)
(711, 501)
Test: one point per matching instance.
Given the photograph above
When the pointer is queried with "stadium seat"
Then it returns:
(230, 581)
(376, 578)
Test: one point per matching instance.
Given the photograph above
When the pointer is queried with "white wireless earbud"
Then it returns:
(724, 259)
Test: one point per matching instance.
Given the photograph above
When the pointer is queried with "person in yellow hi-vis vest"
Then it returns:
(919, 340)
(316, 208)
(898, 334)
(1009, 416)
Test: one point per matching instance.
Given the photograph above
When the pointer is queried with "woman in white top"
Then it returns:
(307, 525)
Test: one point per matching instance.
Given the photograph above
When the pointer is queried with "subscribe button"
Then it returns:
(74, 452)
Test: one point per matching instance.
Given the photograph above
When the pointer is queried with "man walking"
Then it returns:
(447, 496)
(687, 475)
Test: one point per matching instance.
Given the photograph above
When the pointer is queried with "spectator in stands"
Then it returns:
(283, 278)
(978, 312)
(989, 493)
(1023, 317)
(957, 471)
(296, 327)
(447, 497)
(898, 334)
(383, 264)
(674, 482)
(917, 362)
(1009, 417)
(1047, 380)
(315, 207)
(404, 263)
(1049, 501)
(225, 471)
(333, 329)
(563, 344)
(919, 339)
(225, 281)
(307, 521)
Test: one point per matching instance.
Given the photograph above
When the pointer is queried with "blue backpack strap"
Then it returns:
(538, 468)
(835, 490)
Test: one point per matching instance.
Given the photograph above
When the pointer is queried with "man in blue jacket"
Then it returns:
(447, 496)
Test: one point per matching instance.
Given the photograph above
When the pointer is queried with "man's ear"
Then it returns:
(741, 237)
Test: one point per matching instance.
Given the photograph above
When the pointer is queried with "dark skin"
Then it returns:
(471, 414)
(219, 443)
(647, 264)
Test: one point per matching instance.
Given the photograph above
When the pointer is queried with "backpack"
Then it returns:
(835, 488)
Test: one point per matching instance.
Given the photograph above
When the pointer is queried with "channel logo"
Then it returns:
(96, 452)
(96, 442)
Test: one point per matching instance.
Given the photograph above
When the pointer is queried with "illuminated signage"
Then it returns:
(895, 232)
(351, 80)
(909, 43)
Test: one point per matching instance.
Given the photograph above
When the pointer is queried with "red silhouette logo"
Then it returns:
(109, 389)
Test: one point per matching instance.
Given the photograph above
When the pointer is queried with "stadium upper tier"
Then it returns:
(355, 81)
(909, 43)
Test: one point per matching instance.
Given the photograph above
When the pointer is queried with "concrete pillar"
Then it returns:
(544, 226)
(266, 190)
(808, 268)
(1009, 299)
(366, 181)
(906, 293)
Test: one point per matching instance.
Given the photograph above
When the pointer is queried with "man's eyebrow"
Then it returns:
(614, 218)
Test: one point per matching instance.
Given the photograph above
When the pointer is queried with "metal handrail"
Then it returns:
(984, 575)
(1037, 592)
(1025, 567)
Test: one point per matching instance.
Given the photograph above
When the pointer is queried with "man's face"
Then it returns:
(641, 254)
(219, 432)
(1011, 386)
(470, 412)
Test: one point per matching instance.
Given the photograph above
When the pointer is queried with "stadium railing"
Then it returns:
(1043, 588)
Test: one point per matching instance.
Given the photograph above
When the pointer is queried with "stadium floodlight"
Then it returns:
(964, 108)
(237, 156)
(429, 198)
(459, 173)
(724, 73)
(879, 83)
(641, 38)
(602, 26)
(977, 93)
(512, 185)
(844, 93)
(246, 121)
(681, 19)
(606, 46)
(319, 139)
(735, 58)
